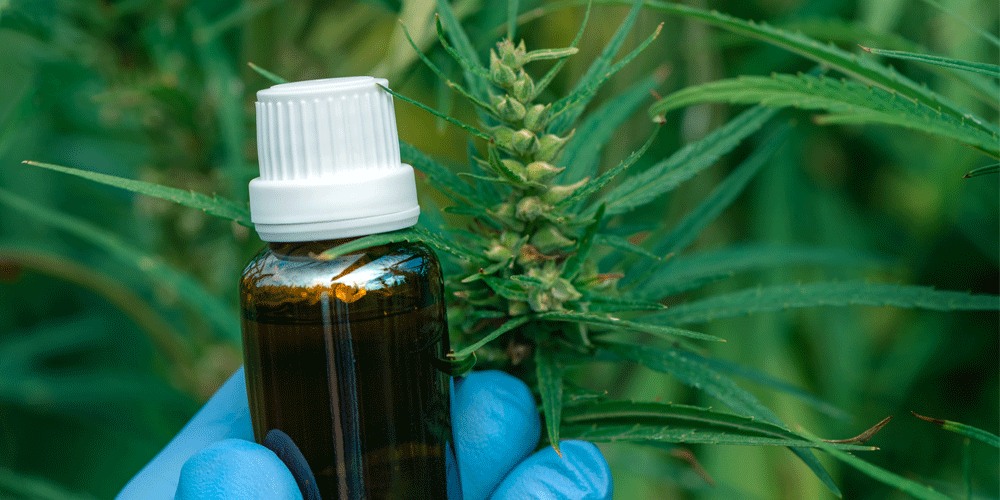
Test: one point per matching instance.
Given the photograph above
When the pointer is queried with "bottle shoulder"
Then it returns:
(298, 271)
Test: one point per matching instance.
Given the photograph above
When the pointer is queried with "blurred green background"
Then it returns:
(106, 349)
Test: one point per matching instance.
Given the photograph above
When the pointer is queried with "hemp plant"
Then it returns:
(547, 274)
(531, 291)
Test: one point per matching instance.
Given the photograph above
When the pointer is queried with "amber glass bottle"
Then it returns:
(340, 358)
(342, 353)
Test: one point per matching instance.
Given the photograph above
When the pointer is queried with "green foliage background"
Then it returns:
(116, 310)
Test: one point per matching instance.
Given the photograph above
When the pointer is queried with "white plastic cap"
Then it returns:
(329, 162)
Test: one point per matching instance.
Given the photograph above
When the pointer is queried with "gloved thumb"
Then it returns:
(234, 469)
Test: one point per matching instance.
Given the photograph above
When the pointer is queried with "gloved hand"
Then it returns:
(495, 426)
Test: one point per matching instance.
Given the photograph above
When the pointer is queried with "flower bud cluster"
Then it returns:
(534, 231)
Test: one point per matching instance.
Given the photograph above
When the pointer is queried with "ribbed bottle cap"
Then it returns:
(329, 162)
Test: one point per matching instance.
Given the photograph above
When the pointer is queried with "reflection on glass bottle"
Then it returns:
(340, 368)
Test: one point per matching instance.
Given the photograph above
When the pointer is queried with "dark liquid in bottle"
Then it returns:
(340, 365)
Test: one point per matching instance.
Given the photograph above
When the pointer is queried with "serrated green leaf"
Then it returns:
(161, 274)
(468, 128)
(574, 394)
(828, 54)
(466, 210)
(583, 246)
(506, 327)
(483, 215)
(544, 54)
(212, 205)
(431, 217)
(596, 71)
(452, 85)
(780, 297)
(688, 229)
(498, 167)
(476, 75)
(963, 429)
(469, 240)
(486, 190)
(506, 289)
(690, 272)
(487, 178)
(544, 82)
(529, 281)
(690, 369)
(600, 432)
(409, 234)
(759, 377)
(662, 289)
(988, 169)
(581, 155)
(550, 388)
(665, 332)
(620, 243)
(444, 245)
(443, 93)
(991, 70)
(666, 422)
(478, 314)
(432, 221)
(606, 304)
(667, 174)
(846, 101)
(485, 271)
(442, 178)
(913, 488)
(848, 33)
(513, 6)
(565, 111)
(595, 185)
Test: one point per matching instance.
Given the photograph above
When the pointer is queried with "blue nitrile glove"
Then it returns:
(494, 424)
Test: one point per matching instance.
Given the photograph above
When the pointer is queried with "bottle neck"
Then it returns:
(306, 248)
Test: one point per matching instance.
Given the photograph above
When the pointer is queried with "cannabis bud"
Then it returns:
(549, 147)
(555, 194)
(540, 171)
(510, 110)
(549, 239)
(536, 117)
(524, 142)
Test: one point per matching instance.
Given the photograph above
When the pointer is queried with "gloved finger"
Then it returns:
(225, 415)
(581, 473)
(495, 425)
(234, 469)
